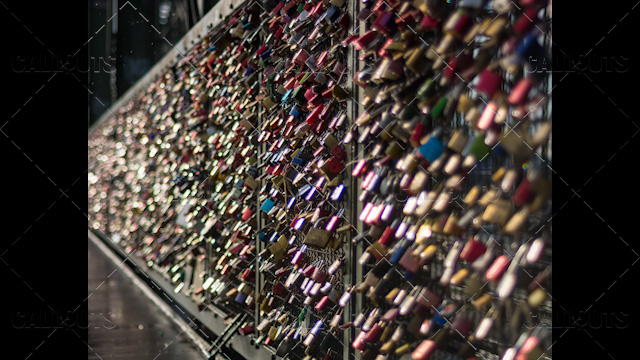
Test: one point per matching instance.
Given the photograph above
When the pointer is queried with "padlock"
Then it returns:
(317, 237)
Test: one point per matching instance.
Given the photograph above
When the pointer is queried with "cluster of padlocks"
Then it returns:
(369, 175)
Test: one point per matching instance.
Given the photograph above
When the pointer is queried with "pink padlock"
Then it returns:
(297, 258)
(246, 215)
(497, 269)
(339, 68)
(486, 119)
(309, 94)
(318, 275)
(300, 56)
(520, 92)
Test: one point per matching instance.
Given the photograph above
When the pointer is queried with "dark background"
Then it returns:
(595, 187)
(125, 46)
(42, 140)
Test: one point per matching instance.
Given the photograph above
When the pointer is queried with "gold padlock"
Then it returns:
(394, 150)
(418, 182)
(451, 226)
(317, 237)
(488, 197)
(458, 141)
(517, 221)
(482, 301)
(464, 104)
(498, 212)
(251, 183)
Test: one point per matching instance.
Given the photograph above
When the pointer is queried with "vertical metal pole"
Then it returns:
(351, 197)
(112, 46)
(259, 222)
(208, 269)
(546, 148)
(355, 251)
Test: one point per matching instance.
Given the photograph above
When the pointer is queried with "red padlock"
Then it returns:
(424, 350)
(246, 330)
(278, 289)
(472, 250)
(338, 152)
(387, 238)
(314, 115)
(308, 270)
(523, 193)
(525, 22)
(382, 22)
(462, 325)
(309, 94)
(374, 333)
(316, 10)
(489, 83)
(301, 55)
(364, 40)
(429, 24)
(335, 165)
(247, 275)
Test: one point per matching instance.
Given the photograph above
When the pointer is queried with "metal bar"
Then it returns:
(226, 335)
(356, 304)
(259, 277)
(349, 261)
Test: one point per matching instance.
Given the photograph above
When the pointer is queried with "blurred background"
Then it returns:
(125, 45)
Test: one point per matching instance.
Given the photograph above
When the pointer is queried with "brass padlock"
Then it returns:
(458, 141)
(517, 221)
(317, 237)
(418, 182)
(251, 183)
(498, 212)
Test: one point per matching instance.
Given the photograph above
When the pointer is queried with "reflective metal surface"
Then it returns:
(123, 323)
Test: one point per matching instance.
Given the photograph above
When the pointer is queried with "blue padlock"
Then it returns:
(265, 54)
(295, 112)
(432, 149)
(446, 310)
(331, 13)
(400, 249)
(287, 96)
(292, 201)
(267, 205)
(240, 298)
(300, 158)
(529, 48)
